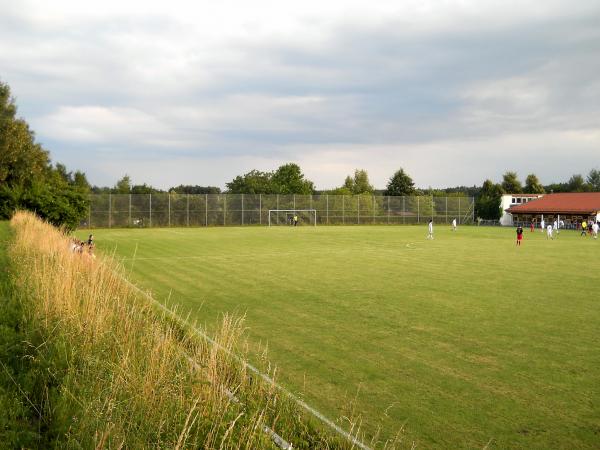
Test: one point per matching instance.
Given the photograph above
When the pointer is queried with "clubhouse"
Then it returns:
(572, 208)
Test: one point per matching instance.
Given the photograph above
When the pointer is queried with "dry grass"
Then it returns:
(120, 374)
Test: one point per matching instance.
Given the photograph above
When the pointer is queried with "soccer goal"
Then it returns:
(286, 216)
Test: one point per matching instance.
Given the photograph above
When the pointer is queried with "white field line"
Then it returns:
(249, 366)
(277, 440)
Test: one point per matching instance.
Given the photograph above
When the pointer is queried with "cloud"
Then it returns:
(335, 86)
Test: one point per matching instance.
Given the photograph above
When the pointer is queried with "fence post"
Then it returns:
(418, 211)
(327, 207)
(373, 209)
(205, 210)
(90, 213)
(294, 201)
(242, 209)
(109, 209)
(260, 209)
(388, 209)
(150, 209)
(432, 207)
(446, 209)
(225, 210)
(129, 209)
(187, 210)
(277, 205)
(459, 216)
(343, 209)
(403, 210)
(169, 209)
(358, 208)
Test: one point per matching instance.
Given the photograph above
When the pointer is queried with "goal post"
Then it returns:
(282, 216)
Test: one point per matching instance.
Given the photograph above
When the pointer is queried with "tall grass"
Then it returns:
(116, 373)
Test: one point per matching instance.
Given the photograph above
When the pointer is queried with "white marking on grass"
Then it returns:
(354, 440)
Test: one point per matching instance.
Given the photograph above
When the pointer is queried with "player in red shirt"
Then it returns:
(519, 235)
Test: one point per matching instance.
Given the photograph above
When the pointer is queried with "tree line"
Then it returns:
(489, 197)
(28, 180)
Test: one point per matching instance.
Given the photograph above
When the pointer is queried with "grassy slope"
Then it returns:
(463, 339)
(19, 427)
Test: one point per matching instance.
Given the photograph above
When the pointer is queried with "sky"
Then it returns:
(198, 92)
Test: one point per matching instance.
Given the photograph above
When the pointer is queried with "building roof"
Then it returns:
(563, 203)
(523, 195)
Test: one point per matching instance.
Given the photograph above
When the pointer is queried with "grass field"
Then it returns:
(465, 340)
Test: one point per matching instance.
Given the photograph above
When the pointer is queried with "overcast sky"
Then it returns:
(198, 92)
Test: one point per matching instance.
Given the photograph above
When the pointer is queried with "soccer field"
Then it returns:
(464, 340)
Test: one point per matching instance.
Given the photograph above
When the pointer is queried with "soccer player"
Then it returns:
(453, 224)
(549, 232)
(532, 226)
(430, 226)
(542, 225)
(519, 235)
(583, 228)
(595, 230)
(295, 219)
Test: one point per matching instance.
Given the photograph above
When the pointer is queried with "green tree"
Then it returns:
(253, 182)
(533, 185)
(577, 184)
(511, 184)
(593, 180)
(188, 189)
(80, 181)
(123, 186)
(400, 184)
(488, 203)
(289, 179)
(27, 180)
(359, 184)
(144, 189)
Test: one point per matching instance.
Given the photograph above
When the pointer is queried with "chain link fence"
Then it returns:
(201, 210)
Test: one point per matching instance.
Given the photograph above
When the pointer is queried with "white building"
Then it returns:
(509, 200)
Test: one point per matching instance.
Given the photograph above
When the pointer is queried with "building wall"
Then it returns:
(509, 200)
